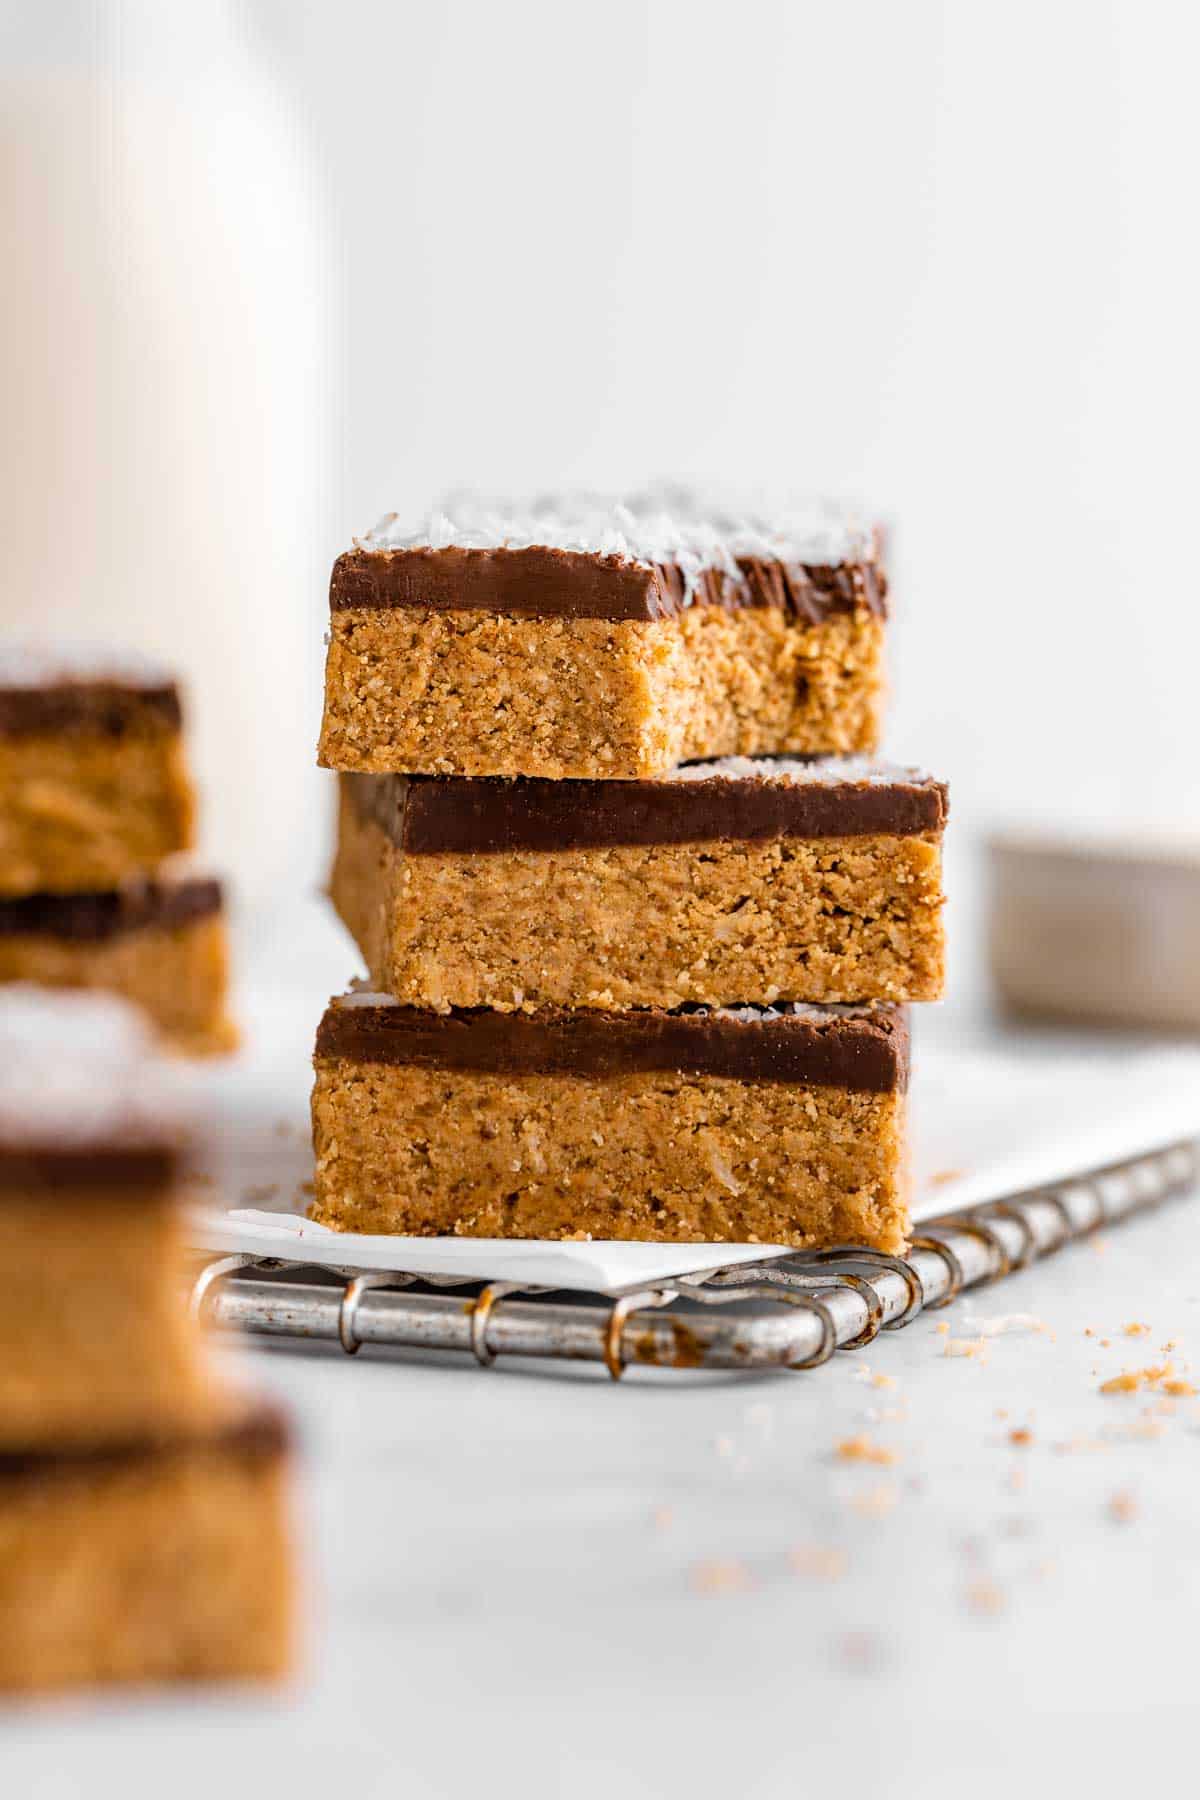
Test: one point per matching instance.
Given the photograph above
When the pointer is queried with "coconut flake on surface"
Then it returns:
(78, 1070)
(833, 771)
(56, 665)
(666, 525)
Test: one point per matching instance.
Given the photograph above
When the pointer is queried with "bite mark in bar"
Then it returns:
(575, 644)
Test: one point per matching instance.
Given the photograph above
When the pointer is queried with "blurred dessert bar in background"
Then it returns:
(587, 640)
(784, 880)
(159, 943)
(94, 1338)
(96, 806)
(165, 1560)
(143, 1526)
(94, 785)
(776, 1125)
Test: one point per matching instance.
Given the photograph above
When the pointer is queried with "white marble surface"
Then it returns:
(515, 1575)
(530, 1581)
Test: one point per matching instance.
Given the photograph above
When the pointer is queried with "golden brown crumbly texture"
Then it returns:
(476, 693)
(83, 811)
(179, 976)
(434, 1152)
(95, 1340)
(159, 1567)
(723, 923)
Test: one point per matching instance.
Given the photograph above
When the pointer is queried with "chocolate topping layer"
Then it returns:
(106, 708)
(568, 584)
(435, 815)
(103, 1170)
(262, 1432)
(865, 1049)
(94, 918)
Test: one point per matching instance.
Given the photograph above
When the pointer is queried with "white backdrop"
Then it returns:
(937, 255)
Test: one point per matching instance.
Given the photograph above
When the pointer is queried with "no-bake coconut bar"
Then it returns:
(600, 641)
(159, 943)
(740, 880)
(780, 1125)
(94, 787)
(95, 1341)
(147, 1561)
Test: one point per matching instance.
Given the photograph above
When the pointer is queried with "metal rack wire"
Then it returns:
(786, 1312)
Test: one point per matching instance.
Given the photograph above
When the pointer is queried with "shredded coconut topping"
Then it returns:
(48, 665)
(79, 1070)
(667, 525)
(745, 1015)
(833, 771)
(790, 1009)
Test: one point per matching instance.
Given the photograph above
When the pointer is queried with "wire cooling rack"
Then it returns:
(786, 1312)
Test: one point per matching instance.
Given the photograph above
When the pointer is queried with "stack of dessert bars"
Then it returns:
(142, 1521)
(96, 807)
(641, 916)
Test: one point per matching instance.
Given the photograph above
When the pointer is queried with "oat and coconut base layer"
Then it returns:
(94, 786)
(603, 640)
(740, 880)
(95, 1340)
(161, 944)
(771, 1125)
(163, 1560)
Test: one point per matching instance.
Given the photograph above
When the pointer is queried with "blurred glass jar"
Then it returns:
(164, 365)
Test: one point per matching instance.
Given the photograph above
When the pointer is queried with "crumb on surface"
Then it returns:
(1136, 1328)
(864, 1449)
(820, 1562)
(1123, 1508)
(1159, 1375)
(985, 1598)
(1020, 1434)
(970, 1347)
(720, 1576)
(876, 1502)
